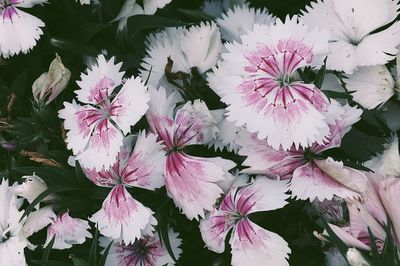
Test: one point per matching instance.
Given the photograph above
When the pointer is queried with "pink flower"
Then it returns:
(96, 129)
(191, 181)
(250, 243)
(67, 231)
(310, 175)
(147, 251)
(381, 199)
(257, 79)
(121, 216)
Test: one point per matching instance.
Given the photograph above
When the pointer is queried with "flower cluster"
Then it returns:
(220, 122)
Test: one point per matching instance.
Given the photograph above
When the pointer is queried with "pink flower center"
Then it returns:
(271, 72)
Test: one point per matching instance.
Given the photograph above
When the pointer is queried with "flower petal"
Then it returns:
(191, 182)
(121, 216)
(253, 245)
(67, 231)
(130, 104)
(100, 81)
(19, 31)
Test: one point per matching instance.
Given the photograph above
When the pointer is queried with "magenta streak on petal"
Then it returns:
(136, 170)
(99, 92)
(9, 12)
(245, 231)
(161, 126)
(270, 71)
(143, 252)
(245, 203)
(119, 205)
(86, 118)
(103, 135)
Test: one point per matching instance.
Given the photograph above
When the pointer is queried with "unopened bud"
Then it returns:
(50, 84)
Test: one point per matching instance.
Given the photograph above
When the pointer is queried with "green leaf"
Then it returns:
(141, 22)
(19, 84)
(46, 251)
(43, 195)
(50, 263)
(195, 14)
(374, 250)
(342, 247)
(105, 254)
(73, 47)
(78, 261)
(93, 250)
(319, 79)
(164, 236)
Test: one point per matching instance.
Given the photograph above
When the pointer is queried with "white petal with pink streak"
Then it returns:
(121, 216)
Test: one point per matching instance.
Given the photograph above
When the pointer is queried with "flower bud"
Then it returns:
(50, 84)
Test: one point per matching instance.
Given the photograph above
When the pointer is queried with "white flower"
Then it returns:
(353, 23)
(19, 31)
(198, 46)
(132, 8)
(371, 86)
(32, 187)
(67, 231)
(240, 19)
(227, 133)
(257, 80)
(84, 2)
(38, 220)
(355, 258)
(149, 250)
(387, 163)
(12, 242)
(217, 7)
(97, 129)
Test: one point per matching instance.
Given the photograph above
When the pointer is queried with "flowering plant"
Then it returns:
(216, 132)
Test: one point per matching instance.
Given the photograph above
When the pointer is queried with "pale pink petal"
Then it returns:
(145, 165)
(310, 182)
(121, 216)
(253, 245)
(215, 227)
(263, 159)
(350, 178)
(104, 145)
(263, 194)
(38, 220)
(347, 238)
(97, 85)
(80, 122)
(67, 231)
(194, 124)
(130, 104)
(361, 220)
(389, 192)
(191, 182)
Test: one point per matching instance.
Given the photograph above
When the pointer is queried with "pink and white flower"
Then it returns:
(19, 31)
(381, 199)
(96, 129)
(356, 35)
(250, 243)
(310, 175)
(191, 181)
(147, 251)
(257, 80)
(67, 231)
(121, 216)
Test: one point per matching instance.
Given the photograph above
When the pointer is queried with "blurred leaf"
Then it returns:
(78, 261)
(342, 247)
(51, 263)
(46, 251)
(195, 14)
(93, 250)
(73, 47)
(319, 79)
(105, 254)
(142, 22)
